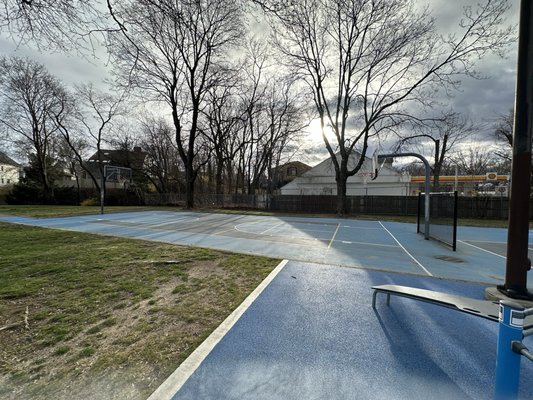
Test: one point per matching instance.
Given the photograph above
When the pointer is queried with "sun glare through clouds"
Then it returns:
(314, 131)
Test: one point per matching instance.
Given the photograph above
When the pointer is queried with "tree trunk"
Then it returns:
(218, 179)
(78, 189)
(189, 188)
(437, 166)
(436, 179)
(219, 188)
(102, 189)
(341, 178)
(229, 172)
(48, 191)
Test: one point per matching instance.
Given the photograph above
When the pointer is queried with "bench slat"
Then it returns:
(480, 308)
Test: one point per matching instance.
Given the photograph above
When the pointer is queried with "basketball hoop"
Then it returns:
(117, 174)
(376, 167)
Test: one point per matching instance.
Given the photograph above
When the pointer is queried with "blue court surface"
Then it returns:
(386, 246)
(310, 332)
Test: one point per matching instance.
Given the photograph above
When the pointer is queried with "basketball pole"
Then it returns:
(518, 264)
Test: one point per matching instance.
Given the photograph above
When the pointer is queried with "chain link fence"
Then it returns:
(489, 207)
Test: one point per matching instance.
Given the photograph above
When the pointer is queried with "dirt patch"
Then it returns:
(126, 332)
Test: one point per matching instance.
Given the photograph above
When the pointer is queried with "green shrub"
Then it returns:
(25, 194)
(66, 196)
(90, 201)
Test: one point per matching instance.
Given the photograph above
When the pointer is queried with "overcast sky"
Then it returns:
(482, 100)
(486, 97)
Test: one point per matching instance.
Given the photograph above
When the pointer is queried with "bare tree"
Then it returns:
(70, 160)
(55, 24)
(28, 102)
(174, 51)
(442, 135)
(476, 160)
(503, 130)
(162, 162)
(89, 116)
(284, 123)
(271, 113)
(367, 62)
(224, 121)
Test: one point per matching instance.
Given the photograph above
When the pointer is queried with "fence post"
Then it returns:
(507, 361)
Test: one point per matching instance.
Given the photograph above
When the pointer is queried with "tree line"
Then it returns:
(367, 70)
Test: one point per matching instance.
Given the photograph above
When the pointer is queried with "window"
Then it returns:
(9, 181)
(2, 181)
(292, 171)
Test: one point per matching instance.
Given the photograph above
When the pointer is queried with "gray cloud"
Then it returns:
(69, 68)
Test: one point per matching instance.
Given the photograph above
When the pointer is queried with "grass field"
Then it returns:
(38, 211)
(85, 316)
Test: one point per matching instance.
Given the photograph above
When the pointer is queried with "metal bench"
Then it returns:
(480, 308)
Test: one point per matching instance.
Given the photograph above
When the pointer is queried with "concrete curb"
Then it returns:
(175, 381)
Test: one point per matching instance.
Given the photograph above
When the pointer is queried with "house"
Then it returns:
(9, 170)
(287, 172)
(320, 180)
(120, 158)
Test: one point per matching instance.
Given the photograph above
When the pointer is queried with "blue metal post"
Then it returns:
(507, 361)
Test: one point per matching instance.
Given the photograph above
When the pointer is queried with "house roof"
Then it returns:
(121, 158)
(352, 159)
(298, 164)
(5, 159)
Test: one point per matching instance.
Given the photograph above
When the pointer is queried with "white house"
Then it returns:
(320, 180)
(9, 170)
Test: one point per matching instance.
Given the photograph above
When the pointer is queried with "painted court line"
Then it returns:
(482, 249)
(367, 243)
(236, 227)
(175, 381)
(487, 241)
(334, 234)
(224, 231)
(361, 227)
(404, 249)
(272, 227)
(149, 225)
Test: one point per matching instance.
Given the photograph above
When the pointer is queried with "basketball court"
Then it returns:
(378, 245)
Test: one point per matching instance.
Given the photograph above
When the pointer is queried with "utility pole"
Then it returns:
(518, 263)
